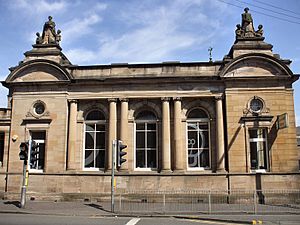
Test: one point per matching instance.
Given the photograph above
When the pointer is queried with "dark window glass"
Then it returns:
(146, 141)
(95, 115)
(2, 135)
(89, 140)
(198, 145)
(197, 113)
(258, 148)
(37, 153)
(146, 115)
(151, 139)
(95, 134)
(140, 159)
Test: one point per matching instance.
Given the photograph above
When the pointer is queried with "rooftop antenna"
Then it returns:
(210, 55)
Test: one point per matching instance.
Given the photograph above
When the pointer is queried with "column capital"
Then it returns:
(73, 100)
(177, 98)
(124, 99)
(219, 97)
(112, 99)
(164, 99)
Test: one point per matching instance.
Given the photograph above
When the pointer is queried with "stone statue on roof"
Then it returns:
(246, 29)
(49, 35)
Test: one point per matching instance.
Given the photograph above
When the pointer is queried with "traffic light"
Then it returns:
(23, 151)
(120, 153)
(34, 154)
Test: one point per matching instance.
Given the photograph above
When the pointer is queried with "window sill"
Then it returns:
(145, 170)
(259, 171)
(35, 171)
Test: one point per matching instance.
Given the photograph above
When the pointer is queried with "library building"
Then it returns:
(214, 125)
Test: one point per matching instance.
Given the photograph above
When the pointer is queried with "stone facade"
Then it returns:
(187, 126)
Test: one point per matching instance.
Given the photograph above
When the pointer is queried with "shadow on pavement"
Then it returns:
(97, 207)
(15, 203)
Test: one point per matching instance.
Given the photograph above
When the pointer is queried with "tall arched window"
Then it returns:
(94, 144)
(198, 139)
(146, 140)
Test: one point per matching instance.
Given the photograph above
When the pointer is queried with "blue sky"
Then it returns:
(135, 31)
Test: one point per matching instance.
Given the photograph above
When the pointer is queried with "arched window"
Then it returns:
(198, 139)
(94, 144)
(146, 140)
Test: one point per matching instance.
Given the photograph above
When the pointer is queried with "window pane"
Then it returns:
(192, 126)
(89, 140)
(41, 135)
(151, 159)
(203, 126)
(140, 139)
(100, 159)
(204, 158)
(146, 115)
(257, 133)
(100, 140)
(203, 139)
(89, 158)
(95, 115)
(193, 158)
(90, 127)
(100, 127)
(253, 155)
(140, 159)
(192, 139)
(151, 139)
(41, 156)
(140, 126)
(197, 113)
(151, 126)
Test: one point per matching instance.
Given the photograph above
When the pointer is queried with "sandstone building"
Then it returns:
(188, 126)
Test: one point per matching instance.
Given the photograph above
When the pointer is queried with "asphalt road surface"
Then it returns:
(29, 219)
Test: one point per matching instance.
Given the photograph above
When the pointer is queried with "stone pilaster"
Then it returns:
(220, 134)
(71, 164)
(112, 129)
(166, 142)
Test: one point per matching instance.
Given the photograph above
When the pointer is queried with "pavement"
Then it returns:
(102, 209)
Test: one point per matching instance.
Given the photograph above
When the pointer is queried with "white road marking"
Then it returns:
(133, 221)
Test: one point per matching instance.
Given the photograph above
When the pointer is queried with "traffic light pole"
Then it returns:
(114, 149)
(24, 184)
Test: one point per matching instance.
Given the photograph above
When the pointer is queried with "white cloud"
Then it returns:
(79, 27)
(39, 6)
(155, 34)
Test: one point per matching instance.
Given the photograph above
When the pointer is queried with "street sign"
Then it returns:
(282, 121)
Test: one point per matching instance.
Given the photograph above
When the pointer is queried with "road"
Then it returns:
(30, 219)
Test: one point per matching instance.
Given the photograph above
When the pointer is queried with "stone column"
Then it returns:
(220, 134)
(71, 164)
(112, 129)
(179, 159)
(124, 127)
(166, 142)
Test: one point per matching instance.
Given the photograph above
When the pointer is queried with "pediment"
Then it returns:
(39, 71)
(256, 66)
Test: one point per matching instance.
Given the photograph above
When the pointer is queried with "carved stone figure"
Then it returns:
(38, 39)
(246, 29)
(260, 31)
(58, 37)
(49, 35)
(239, 31)
(247, 23)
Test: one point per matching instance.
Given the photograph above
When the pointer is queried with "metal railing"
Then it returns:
(208, 202)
